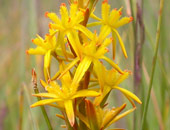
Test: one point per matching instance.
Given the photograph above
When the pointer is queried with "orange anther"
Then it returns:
(69, 19)
(75, 2)
(63, 4)
(27, 52)
(107, 49)
(131, 19)
(105, 1)
(120, 13)
(115, 8)
(46, 14)
(49, 25)
(32, 40)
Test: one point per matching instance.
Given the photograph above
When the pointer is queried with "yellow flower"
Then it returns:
(110, 79)
(92, 52)
(68, 26)
(100, 118)
(111, 21)
(45, 47)
(65, 95)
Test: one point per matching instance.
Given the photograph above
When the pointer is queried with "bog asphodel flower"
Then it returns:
(65, 96)
(68, 26)
(81, 67)
(110, 21)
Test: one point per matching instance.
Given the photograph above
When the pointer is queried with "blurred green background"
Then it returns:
(21, 20)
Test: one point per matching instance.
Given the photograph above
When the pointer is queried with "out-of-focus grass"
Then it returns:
(20, 20)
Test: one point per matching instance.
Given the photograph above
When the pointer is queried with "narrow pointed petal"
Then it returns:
(105, 31)
(75, 43)
(122, 77)
(105, 10)
(44, 102)
(112, 64)
(98, 100)
(86, 93)
(85, 31)
(47, 61)
(36, 51)
(121, 116)
(121, 43)
(48, 95)
(91, 114)
(111, 115)
(128, 93)
(53, 17)
(69, 67)
(98, 68)
(69, 111)
(94, 24)
(123, 21)
(81, 69)
(114, 45)
(83, 118)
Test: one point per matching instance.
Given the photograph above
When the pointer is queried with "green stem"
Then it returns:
(154, 63)
(34, 80)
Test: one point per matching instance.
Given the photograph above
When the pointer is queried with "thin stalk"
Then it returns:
(139, 37)
(21, 104)
(34, 80)
(154, 63)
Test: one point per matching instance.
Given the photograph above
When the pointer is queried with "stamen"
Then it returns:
(27, 52)
(32, 40)
(50, 26)
(63, 4)
(120, 12)
(107, 49)
(105, 1)
(131, 19)
(75, 2)
(115, 8)
(46, 14)
(69, 19)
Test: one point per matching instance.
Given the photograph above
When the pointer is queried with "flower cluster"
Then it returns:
(81, 73)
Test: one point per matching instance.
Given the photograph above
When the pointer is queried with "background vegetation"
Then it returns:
(20, 20)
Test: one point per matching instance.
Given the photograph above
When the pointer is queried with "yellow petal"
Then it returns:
(37, 51)
(84, 30)
(44, 102)
(98, 100)
(128, 93)
(81, 69)
(91, 114)
(105, 11)
(64, 14)
(53, 17)
(123, 21)
(94, 24)
(113, 45)
(69, 111)
(111, 115)
(75, 42)
(121, 43)
(122, 77)
(113, 64)
(104, 32)
(48, 95)
(69, 67)
(86, 93)
(82, 118)
(121, 116)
